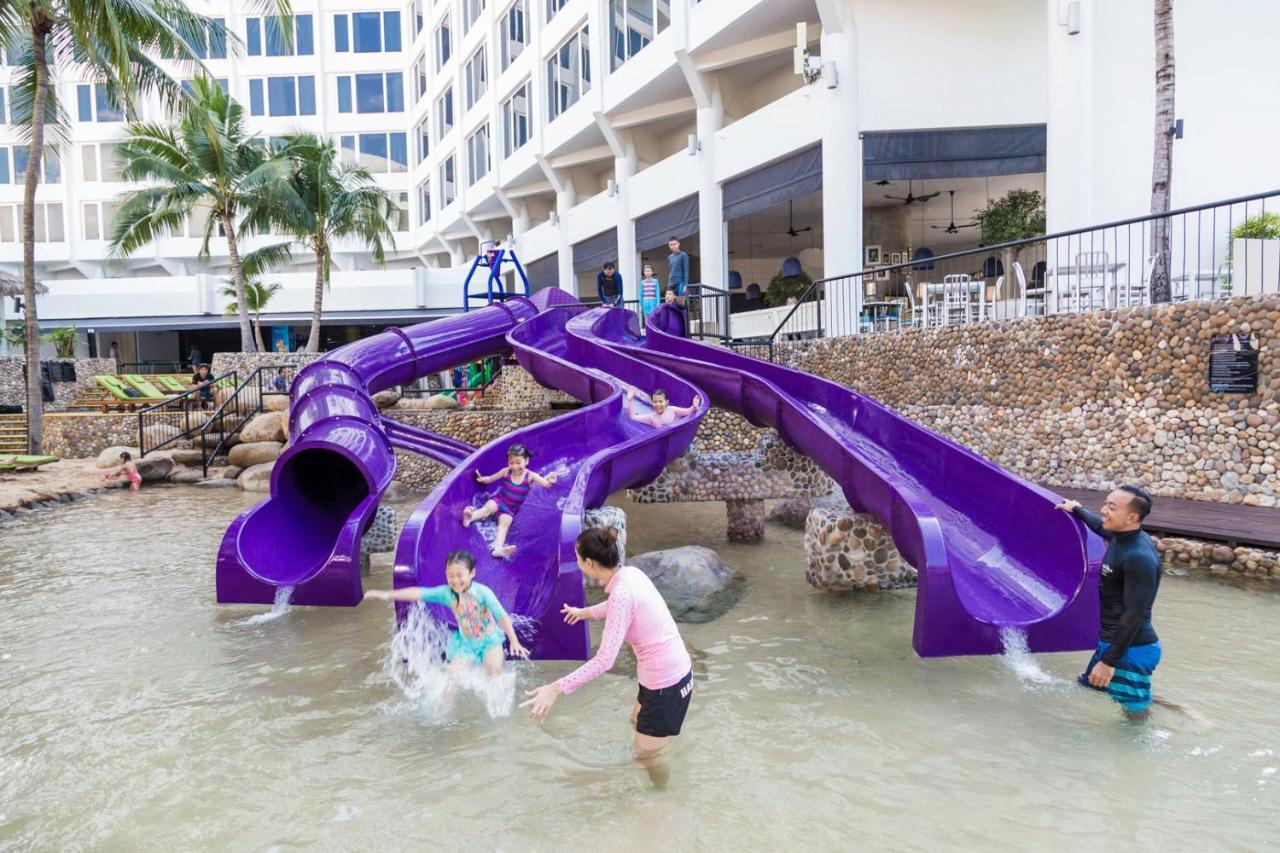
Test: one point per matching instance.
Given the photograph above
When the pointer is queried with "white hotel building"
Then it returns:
(590, 130)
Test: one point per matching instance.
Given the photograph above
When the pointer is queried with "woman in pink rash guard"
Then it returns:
(636, 613)
(663, 412)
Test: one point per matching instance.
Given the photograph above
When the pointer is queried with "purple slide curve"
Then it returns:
(990, 548)
(595, 450)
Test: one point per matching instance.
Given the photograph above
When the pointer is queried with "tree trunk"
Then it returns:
(313, 342)
(35, 161)
(1162, 164)
(237, 277)
(257, 332)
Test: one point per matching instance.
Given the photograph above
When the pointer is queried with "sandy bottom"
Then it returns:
(64, 477)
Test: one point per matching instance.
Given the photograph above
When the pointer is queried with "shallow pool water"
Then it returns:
(138, 714)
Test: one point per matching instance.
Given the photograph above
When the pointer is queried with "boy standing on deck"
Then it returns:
(1128, 648)
(677, 268)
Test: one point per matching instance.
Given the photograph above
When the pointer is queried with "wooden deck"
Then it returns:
(1221, 522)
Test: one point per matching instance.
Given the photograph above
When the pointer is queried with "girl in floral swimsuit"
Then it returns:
(482, 621)
(516, 479)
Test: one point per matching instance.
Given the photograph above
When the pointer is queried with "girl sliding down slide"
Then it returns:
(636, 613)
(663, 412)
(482, 621)
(516, 479)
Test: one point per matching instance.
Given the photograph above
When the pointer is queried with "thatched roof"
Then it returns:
(11, 285)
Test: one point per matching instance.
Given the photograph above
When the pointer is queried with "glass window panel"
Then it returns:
(373, 152)
(368, 31)
(255, 97)
(304, 37)
(218, 39)
(108, 109)
(52, 167)
(84, 100)
(226, 88)
(341, 38)
(369, 93)
(4, 164)
(282, 97)
(395, 92)
(3, 111)
(8, 234)
(391, 31)
(275, 36)
(344, 94)
(88, 162)
(424, 202)
(253, 36)
(92, 231)
(306, 95)
(109, 209)
(399, 152)
(112, 163)
(348, 145)
(20, 156)
(53, 212)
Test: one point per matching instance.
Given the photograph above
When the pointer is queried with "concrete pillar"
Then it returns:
(624, 168)
(566, 198)
(841, 177)
(713, 249)
(746, 520)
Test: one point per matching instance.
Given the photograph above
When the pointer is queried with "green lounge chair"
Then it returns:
(119, 389)
(11, 463)
(148, 390)
(171, 384)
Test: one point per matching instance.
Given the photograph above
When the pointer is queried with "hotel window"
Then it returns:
(99, 219)
(514, 33)
(471, 10)
(423, 140)
(448, 186)
(366, 32)
(420, 78)
(211, 44)
(478, 153)
(188, 87)
(568, 73)
(417, 16)
(371, 93)
(282, 96)
(94, 103)
(379, 153)
(424, 202)
(633, 24)
(49, 164)
(476, 77)
(444, 113)
(266, 36)
(49, 224)
(515, 120)
(554, 6)
(101, 162)
(444, 43)
(400, 216)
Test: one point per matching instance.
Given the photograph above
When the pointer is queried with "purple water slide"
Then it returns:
(595, 450)
(326, 485)
(990, 549)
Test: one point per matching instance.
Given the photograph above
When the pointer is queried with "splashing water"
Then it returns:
(415, 663)
(278, 608)
(1017, 656)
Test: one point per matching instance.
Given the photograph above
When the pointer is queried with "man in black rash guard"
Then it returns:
(1128, 648)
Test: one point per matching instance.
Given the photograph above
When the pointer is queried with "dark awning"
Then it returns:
(678, 219)
(543, 273)
(169, 323)
(592, 252)
(969, 152)
(786, 180)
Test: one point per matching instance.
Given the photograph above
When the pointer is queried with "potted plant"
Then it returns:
(783, 287)
(1255, 251)
(64, 341)
(1017, 215)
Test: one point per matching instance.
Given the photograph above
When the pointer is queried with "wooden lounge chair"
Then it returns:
(120, 391)
(171, 384)
(148, 390)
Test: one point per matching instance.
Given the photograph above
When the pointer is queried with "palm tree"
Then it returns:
(207, 162)
(256, 297)
(339, 201)
(113, 40)
(1162, 162)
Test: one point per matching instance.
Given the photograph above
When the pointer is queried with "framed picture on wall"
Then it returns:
(869, 282)
(882, 274)
(896, 258)
(873, 255)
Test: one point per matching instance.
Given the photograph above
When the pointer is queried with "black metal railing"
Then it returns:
(179, 417)
(469, 385)
(1210, 251)
(151, 367)
(249, 398)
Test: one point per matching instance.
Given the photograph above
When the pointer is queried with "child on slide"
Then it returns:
(127, 468)
(516, 479)
(663, 413)
(482, 621)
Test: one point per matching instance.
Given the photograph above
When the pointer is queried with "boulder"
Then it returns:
(268, 426)
(158, 433)
(792, 512)
(188, 457)
(249, 454)
(696, 584)
(186, 476)
(216, 484)
(386, 399)
(225, 472)
(436, 402)
(610, 516)
(275, 402)
(256, 478)
(396, 492)
(110, 457)
(154, 468)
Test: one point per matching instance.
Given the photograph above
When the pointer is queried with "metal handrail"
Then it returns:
(207, 455)
(175, 405)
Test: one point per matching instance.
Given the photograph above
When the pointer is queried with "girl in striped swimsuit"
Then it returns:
(516, 481)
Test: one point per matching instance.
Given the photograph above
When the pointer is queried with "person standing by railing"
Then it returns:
(609, 285)
(650, 291)
(677, 269)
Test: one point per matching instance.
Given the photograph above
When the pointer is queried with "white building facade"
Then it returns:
(577, 131)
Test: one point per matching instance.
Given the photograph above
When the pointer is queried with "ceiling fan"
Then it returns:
(911, 198)
(952, 227)
(792, 230)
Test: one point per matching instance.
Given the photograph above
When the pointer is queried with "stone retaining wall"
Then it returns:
(773, 470)
(1217, 558)
(76, 436)
(13, 381)
(476, 427)
(245, 363)
(516, 389)
(1089, 400)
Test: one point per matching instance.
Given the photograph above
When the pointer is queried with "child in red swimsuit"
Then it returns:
(127, 468)
(516, 480)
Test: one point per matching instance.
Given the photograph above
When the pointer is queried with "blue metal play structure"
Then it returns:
(492, 260)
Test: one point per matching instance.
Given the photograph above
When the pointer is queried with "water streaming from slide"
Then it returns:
(279, 607)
